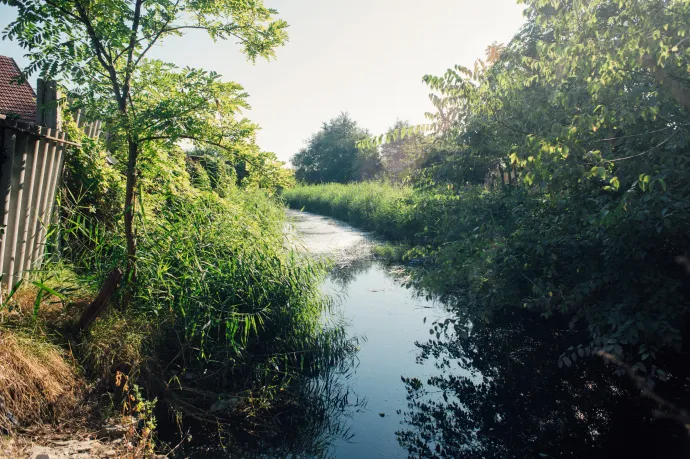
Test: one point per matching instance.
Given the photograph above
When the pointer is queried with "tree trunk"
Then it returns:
(101, 301)
(130, 273)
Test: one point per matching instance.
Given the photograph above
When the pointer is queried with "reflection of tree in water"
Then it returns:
(516, 402)
(344, 273)
(319, 414)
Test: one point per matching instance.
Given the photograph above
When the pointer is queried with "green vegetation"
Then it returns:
(343, 152)
(333, 154)
(555, 179)
(404, 151)
(218, 321)
(375, 206)
(102, 53)
(551, 180)
(224, 325)
(220, 309)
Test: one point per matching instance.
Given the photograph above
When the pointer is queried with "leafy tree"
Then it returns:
(583, 117)
(336, 154)
(269, 173)
(403, 153)
(585, 108)
(583, 120)
(101, 49)
(211, 167)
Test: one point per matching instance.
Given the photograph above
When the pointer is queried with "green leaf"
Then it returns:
(50, 290)
(12, 292)
(37, 302)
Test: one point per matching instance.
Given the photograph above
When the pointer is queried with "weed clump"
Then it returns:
(116, 343)
(37, 382)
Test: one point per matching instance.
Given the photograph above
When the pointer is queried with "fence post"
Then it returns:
(29, 203)
(8, 147)
(56, 169)
(48, 99)
(15, 181)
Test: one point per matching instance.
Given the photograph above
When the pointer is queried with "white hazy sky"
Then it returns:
(365, 57)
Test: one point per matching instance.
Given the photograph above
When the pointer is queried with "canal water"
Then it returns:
(390, 319)
(432, 379)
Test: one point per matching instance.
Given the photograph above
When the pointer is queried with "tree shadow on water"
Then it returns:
(498, 392)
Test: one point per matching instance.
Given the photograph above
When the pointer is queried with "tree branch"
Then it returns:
(610, 139)
(157, 35)
(63, 10)
(197, 139)
(644, 152)
(519, 131)
(229, 31)
(679, 91)
(177, 115)
(100, 52)
(129, 69)
(673, 412)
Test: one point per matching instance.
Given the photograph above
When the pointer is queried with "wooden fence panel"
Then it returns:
(8, 149)
(30, 169)
(31, 161)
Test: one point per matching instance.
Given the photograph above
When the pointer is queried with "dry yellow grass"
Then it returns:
(45, 404)
(37, 382)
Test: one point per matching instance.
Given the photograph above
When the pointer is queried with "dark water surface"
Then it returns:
(472, 388)
(434, 380)
(389, 317)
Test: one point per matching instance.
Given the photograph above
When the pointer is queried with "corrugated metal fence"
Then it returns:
(30, 169)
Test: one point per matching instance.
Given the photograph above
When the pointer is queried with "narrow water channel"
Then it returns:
(390, 319)
(471, 386)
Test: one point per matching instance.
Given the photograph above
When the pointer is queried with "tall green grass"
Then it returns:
(377, 206)
(222, 307)
(399, 213)
(224, 324)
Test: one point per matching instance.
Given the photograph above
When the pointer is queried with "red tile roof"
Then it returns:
(15, 99)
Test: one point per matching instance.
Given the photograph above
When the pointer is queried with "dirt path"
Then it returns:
(16, 448)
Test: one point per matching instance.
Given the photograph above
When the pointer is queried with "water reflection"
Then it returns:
(490, 386)
(472, 385)
(343, 275)
(309, 416)
(517, 402)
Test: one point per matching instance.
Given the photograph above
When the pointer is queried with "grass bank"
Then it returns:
(414, 222)
(387, 209)
(224, 327)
